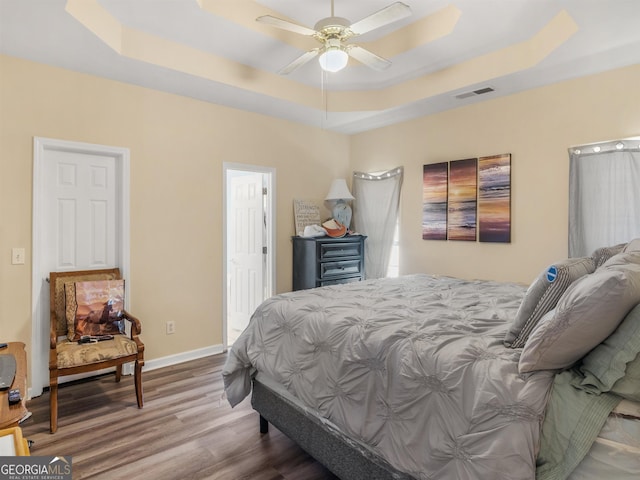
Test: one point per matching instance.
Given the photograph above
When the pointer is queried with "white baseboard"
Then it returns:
(149, 364)
(181, 357)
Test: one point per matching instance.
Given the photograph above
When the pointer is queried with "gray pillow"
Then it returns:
(632, 246)
(606, 364)
(543, 295)
(623, 258)
(603, 254)
(589, 311)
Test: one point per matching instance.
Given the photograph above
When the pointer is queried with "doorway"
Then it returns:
(80, 222)
(248, 244)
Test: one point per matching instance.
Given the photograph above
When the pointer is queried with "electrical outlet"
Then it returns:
(171, 327)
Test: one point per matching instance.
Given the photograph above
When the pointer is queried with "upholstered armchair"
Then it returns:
(69, 357)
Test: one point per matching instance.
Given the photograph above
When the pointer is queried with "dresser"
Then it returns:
(322, 261)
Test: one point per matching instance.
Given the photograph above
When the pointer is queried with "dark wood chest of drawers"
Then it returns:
(322, 261)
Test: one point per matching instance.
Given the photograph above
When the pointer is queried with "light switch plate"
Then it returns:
(17, 256)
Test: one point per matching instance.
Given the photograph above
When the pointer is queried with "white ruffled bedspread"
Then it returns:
(413, 367)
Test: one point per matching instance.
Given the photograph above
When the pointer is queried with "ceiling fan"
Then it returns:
(333, 32)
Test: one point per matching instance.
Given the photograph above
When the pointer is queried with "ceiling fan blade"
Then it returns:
(285, 25)
(371, 60)
(395, 11)
(298, 62)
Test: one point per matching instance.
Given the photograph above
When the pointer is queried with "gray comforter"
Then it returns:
(413, 367)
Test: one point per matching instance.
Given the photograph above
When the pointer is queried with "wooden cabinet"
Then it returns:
(322, 261)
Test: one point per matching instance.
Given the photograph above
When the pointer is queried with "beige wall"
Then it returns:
(177, 146)
(536, 127)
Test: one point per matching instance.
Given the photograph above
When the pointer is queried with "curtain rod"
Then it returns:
(379, 176)
(631, 143)
(625, 144)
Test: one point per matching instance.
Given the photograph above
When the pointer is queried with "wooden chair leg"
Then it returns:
(138, 382)
(118, 372)
(53, 405)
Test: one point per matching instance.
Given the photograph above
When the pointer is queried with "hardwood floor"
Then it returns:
(185, 430)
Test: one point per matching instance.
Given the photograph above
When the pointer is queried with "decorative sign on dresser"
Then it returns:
(305, 213)
(321, 261)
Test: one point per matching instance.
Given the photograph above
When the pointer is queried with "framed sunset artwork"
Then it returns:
(435, 178)
(494, 198)
(462, 208)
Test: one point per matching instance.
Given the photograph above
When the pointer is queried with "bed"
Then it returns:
(423, 377)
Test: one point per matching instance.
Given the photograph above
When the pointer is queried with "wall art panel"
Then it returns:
(462, 204)
(435, 179)
(494, 198)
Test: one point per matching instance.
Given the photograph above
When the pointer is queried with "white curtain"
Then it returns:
(375, 214)
(604, 195)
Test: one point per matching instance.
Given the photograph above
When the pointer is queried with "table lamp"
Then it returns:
(339, 192)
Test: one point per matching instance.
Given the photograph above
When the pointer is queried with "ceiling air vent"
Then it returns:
(474, 93)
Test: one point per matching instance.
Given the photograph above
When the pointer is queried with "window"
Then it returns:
(604, 198)
(393, 270)
(375, 214)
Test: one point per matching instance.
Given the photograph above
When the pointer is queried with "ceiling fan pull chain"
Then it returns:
(325, 99)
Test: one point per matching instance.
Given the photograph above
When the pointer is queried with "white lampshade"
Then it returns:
(339, 190)
(333, 59)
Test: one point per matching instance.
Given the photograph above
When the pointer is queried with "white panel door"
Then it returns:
(82, 228)
(80, 222)
(246, 238)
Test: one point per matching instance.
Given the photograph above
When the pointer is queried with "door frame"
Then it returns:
(270, 274)
(40, 315)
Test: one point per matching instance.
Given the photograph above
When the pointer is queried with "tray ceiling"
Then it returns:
(445, 55)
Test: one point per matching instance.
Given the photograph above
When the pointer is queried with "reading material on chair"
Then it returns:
(94, 338)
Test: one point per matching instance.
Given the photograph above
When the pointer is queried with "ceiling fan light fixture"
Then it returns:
(333, 59)
(334, 33)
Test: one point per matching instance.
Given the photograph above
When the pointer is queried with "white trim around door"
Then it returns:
(269, 177)
(39, 364)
